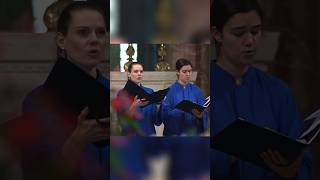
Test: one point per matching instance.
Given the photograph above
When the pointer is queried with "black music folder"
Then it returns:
(187, 106)
(135, 90)
(247, 141)
(77, 89)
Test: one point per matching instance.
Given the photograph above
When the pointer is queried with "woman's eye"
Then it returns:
(101, 33)
(83, 32)
(255, 32)
(238, 34)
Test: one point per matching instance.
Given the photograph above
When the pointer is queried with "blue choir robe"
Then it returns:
(260, 99)
(149, 116)
(177, 122)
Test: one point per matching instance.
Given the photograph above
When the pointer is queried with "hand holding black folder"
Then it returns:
(248, 141)
(135, 90)
(187, 106)
(77, 89)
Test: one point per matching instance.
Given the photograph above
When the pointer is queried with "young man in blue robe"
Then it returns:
(176, 121)
(240, 90)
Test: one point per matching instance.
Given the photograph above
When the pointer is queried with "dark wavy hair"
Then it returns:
(222, 10)
(131, 64)
(66, 15)
(182, 62)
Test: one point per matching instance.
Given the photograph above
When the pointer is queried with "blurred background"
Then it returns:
(159, 21)
(151, 158)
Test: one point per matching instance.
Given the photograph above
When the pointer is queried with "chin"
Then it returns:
(93, 62)
(97, 61)
(186, 81)
(247, 61)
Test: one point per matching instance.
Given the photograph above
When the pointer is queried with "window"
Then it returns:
(124, 56)
(114, 11)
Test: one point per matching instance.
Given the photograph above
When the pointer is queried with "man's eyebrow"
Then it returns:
(244, 27)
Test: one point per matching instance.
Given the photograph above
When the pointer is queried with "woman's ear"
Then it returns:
(60, 40)
(216, 34)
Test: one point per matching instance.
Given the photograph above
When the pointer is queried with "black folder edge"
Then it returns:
(61, 68)
(133, 89)
(158, 95)
(225, 141)
(181, 104)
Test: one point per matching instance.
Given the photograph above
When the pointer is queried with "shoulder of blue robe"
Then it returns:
(166, 103)
(284, 107)
(103, 80)
(173, 90)
(275, 85)
(197, 91)
(148, 90)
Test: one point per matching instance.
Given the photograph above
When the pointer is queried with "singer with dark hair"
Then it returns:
(176, 121)
(65, 120)
(240, 90)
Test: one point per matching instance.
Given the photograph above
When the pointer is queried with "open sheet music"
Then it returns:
(247, 141)
(187, 106)
(311, 129)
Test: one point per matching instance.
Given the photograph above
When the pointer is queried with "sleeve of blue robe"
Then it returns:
(262, 100)
(201, 100)
(292, 126)
(148, 116)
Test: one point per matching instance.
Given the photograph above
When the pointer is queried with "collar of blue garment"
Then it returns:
(245, 76)
(99, 74)
(180, 85)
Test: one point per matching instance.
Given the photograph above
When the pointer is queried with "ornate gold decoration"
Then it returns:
(162, 65)
(52, 13)
(130, 52)
(164, 18)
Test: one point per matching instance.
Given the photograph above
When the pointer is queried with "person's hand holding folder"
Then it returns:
(135, 90)
(197, 113)
(280, 165)
(138, 103)
(86, 132)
